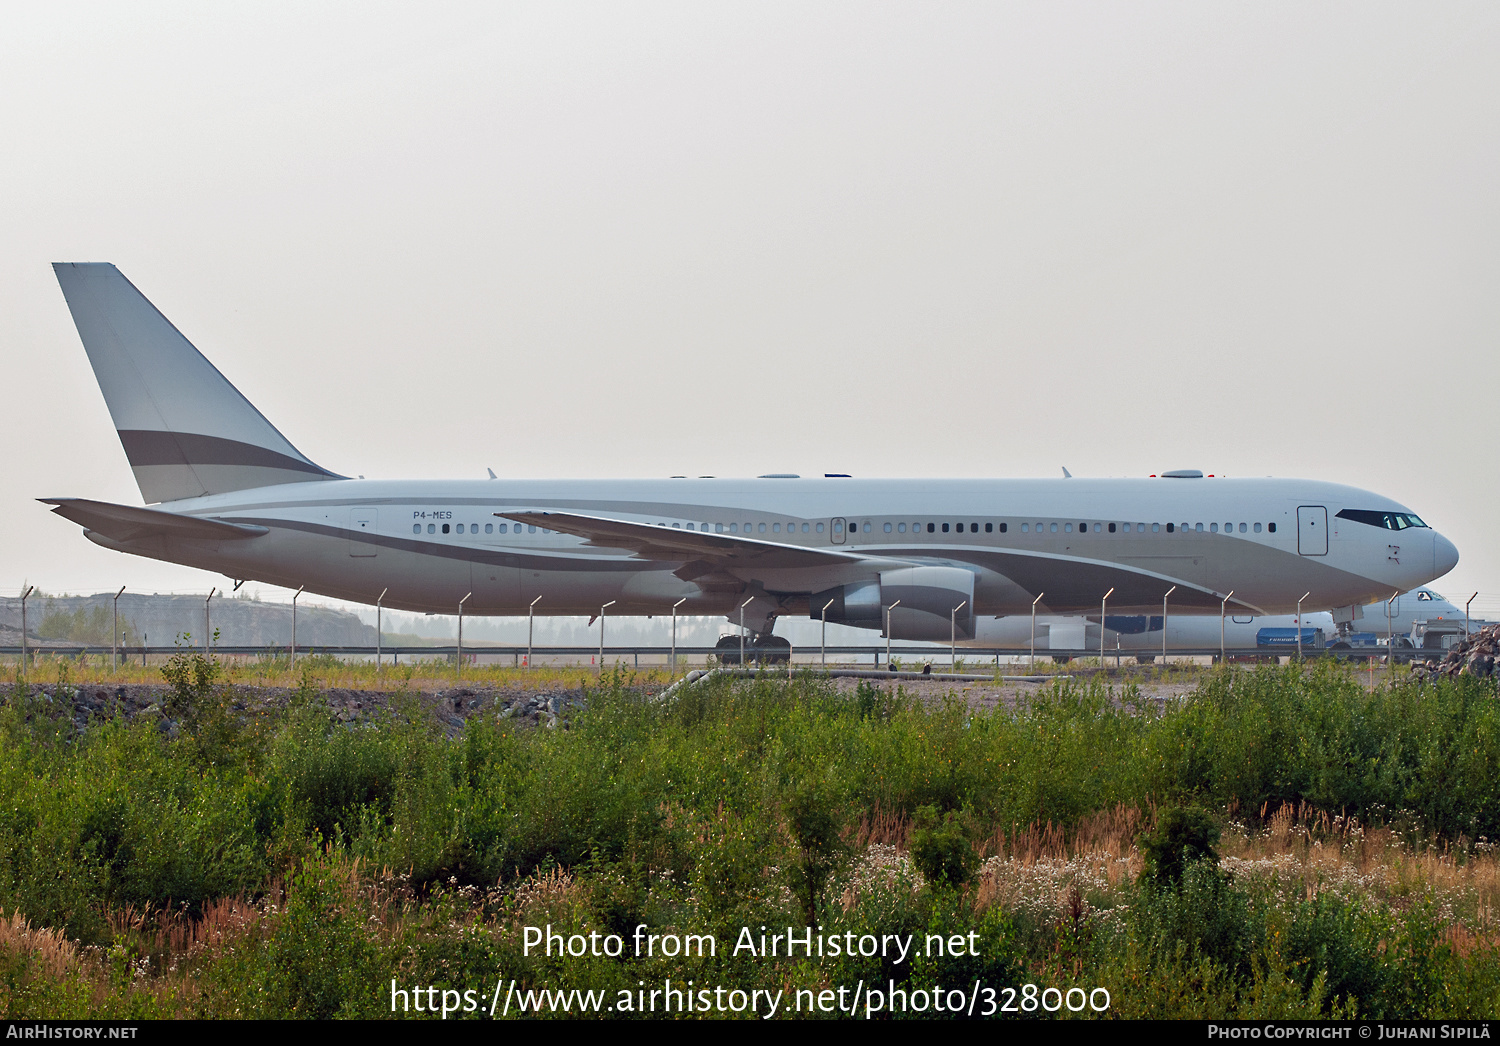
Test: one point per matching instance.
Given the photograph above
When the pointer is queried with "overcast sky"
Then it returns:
(889, 240)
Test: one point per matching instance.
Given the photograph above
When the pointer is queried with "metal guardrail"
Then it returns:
(923, 653)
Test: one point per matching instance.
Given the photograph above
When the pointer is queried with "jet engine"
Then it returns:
(922, 601)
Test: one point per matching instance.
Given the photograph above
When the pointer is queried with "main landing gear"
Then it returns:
(767, 650)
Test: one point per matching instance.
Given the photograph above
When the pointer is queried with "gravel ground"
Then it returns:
(452, 707)
(528, 705)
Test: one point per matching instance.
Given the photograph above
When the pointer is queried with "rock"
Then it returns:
(1475, 655)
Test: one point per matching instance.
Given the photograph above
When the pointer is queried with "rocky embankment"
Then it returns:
(452, 708)
(1478, 655)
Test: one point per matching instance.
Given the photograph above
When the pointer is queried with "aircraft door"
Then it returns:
(362, 521)
(1312, 530)
(836, 530)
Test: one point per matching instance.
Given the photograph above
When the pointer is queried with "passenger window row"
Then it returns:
(1140, 528)
(1082, 527)
(473, 528)
(760, 528)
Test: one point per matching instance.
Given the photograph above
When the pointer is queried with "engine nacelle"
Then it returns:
(922, 601)
(857, 604)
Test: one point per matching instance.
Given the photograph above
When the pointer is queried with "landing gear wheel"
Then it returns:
(767, 650)
(1344, 652)
(727, 650)
(770, 650)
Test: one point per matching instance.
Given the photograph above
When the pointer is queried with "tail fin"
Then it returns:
(185, 429)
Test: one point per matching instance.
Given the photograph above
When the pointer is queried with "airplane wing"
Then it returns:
(657, 542)
(127, 523)
(1066, 582)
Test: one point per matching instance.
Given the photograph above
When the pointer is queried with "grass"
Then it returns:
(291, 863)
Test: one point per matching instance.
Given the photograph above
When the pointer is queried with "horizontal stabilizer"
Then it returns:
(669, 544)
(127, 523)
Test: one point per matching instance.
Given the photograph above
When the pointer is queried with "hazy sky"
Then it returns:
(884, 239)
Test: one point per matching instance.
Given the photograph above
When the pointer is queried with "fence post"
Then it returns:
(25, 651)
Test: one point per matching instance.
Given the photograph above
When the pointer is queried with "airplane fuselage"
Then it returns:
(429, 544)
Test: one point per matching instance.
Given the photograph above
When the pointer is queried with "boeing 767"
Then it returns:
(227, 492)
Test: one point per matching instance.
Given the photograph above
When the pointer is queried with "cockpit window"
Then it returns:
(1387, 520)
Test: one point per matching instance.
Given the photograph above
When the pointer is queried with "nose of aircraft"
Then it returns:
(1444, 555)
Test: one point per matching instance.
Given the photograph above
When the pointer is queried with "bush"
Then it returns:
(1183, 836)
(819, 850)
(942, 849)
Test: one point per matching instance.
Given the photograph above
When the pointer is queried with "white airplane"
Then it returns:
(1141, 634)
(232, 495)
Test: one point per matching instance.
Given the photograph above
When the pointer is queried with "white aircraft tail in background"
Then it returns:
(1141, 634)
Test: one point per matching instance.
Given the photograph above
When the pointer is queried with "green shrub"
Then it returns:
(1183, 836)
(323, 956)
(1199, 914)
(942, 848)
